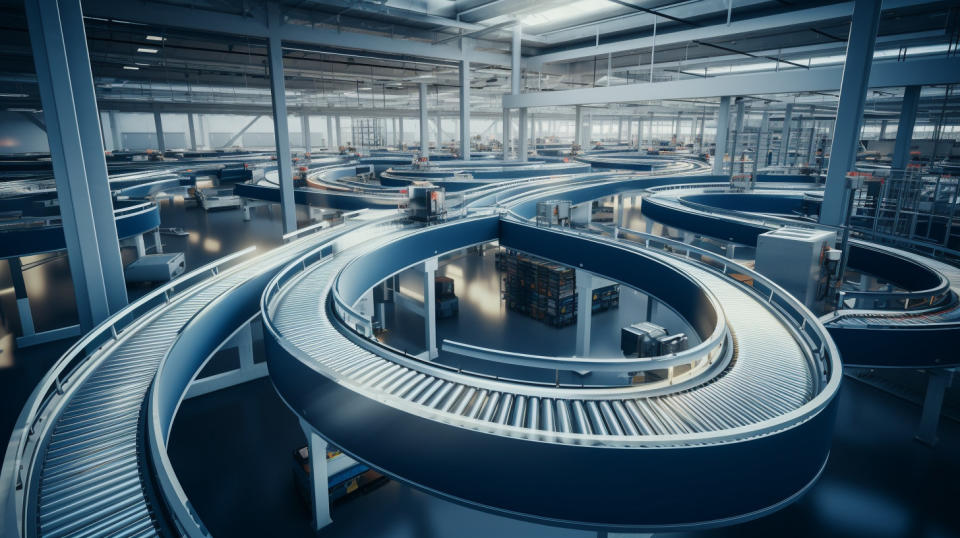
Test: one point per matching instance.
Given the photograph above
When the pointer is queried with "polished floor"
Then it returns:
(232, 449)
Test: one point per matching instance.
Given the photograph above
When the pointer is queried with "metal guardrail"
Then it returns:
(20, 455)
(793, 311)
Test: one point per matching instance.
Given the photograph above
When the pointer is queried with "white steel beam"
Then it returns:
(883, 74)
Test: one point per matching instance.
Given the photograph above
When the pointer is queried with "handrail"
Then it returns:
(911, 300)
(794, 312)
(52, 384)
(709, 350)
(827, 366)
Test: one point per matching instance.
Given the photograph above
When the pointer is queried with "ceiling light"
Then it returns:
(365, 88)
(142, 63)
(18, 95)
(148, 50)
(22, 110)
(131, 68)
(155, 38)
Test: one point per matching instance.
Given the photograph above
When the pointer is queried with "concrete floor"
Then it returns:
(232, 449)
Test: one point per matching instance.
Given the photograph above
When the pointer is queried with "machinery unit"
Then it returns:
(553, 213)
(641, 339)
(155, 268)
(799, 260)
(448, 305)
(426, 202)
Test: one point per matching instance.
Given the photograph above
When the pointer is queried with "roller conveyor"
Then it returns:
(770, 377)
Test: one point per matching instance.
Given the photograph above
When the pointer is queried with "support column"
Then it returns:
(938, 383)
(330, 137)
(533, 131)
(853, 94)
(114, 132)
(203, 130)
(619, 130)
(738, 126)
(522, 136)
(430, 308)
(281, 131)
(584, 312)
(908, 118)
(141, 246)
(723, 124)
(785, 135)
(399, 133)
(20, 292)
(319, 479)
(305, 130)
(465, 110)
(762, 142)
(640, 135)
(158, 124)
(193, 132)
(424, 125)
(506, 133)
(157, 242)
(66, 89)
(578, 128)
(883, 129)
(337, 131)
(703, 124)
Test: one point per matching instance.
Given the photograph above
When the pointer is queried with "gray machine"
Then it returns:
(426, 202)
(647, 339)
(553, 213)
(800, 260)
(155, 268)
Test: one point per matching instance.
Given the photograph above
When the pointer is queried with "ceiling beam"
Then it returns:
(800, 17)
(882, 74)
(254, 25)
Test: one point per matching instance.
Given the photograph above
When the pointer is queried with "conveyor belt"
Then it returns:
(90, 471)
(770, 378)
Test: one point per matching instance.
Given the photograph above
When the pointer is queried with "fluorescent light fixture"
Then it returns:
(365, 88)
(131, 68)
(16, 95)
(142, 63)
(22, 110)
(155, 38)
(148, 50)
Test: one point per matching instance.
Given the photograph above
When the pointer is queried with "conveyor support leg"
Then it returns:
(141, 246)
(939, 381)
(157, 242)
(319, 481)
(584, 312)
(430, 308)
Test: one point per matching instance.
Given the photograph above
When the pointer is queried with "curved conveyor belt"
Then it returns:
(869, 336)
(752, 435)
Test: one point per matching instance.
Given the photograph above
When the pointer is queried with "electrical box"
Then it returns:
(641, 339)
(797, 259)
(155, 268)
(427, 202)
(553, 213)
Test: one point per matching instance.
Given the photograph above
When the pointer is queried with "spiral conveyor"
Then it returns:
(916, 325)
(750, 425)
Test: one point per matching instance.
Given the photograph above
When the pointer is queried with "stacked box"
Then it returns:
(547, 291)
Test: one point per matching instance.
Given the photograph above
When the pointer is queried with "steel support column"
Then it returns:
(578, 128)
(158, 124)
(738, 126)
(430, 308)
(337, 131)
(723, 124)
(424, 125)
(330, 139)
(465, 110)
(114, 131)
(281, 131)
(305, 131)
(908, 118)
(584, 312)
(522, 136)
(785, 135)
(506, 133)
(67, 94)
(399, 133)
(319, 479)
(853, 94)
(193, 131)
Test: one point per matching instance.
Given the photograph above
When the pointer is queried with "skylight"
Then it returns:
(573, 10)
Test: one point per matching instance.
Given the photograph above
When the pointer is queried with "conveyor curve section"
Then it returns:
(733, 447)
